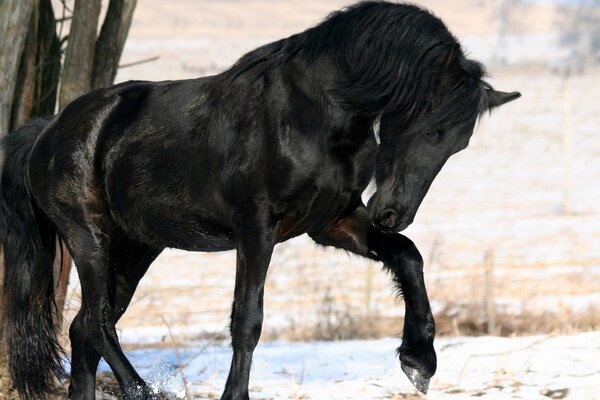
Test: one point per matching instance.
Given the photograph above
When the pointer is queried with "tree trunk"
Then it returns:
(14, 23)
(48, 62)
(111, 42)
(79, 59)
(39, 70)
(25, 82)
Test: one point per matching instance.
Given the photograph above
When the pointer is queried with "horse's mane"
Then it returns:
(392, 58)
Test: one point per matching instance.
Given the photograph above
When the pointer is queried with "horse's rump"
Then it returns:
(128, 157)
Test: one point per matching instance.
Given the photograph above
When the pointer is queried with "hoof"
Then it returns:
(419, 364)
(420, 382)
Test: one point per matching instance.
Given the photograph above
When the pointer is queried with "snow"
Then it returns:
(533, 367)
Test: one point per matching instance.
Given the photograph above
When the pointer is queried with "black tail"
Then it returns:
(29, 242)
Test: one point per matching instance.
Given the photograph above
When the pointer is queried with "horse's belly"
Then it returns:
(181, 229)
(196, 239)
(167, 215)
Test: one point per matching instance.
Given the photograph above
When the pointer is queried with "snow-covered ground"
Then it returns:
(533, 367)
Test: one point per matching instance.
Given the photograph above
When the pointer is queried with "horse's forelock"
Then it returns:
(465, 101)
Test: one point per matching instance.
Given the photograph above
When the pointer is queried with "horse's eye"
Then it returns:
(434, 134)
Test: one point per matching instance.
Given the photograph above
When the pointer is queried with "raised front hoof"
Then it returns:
(415, 377)
(419, 365)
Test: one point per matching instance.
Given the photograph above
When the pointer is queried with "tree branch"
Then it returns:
(111, 42)
(79, 59)
(37, 81)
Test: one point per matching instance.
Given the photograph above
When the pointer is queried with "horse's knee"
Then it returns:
(402, 255)
(412, 257)
(246, 328)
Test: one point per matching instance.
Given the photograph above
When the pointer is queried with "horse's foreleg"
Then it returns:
(403, 259)
(400, 256)
(255, 246)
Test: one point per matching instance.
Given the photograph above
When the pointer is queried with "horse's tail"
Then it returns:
(29, 241)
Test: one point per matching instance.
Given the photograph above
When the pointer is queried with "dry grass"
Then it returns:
(472, 321)
(453, 320)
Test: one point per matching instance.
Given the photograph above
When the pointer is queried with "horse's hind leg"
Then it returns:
(400, 256)
(107, 290)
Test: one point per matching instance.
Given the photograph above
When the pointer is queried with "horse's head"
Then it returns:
(412, 152)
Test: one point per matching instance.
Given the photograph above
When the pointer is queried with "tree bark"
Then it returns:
(111, 42)
(15, 15)
(39, 70)
(79, 59)
(25, 82)
(48, 62)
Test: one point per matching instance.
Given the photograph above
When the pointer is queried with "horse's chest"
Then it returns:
(332, 191)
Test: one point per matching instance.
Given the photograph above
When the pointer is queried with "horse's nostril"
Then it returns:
(388, 218)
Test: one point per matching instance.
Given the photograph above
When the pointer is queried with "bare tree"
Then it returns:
(111, 41)
(79, 60)
(14, 23)
(39, 71)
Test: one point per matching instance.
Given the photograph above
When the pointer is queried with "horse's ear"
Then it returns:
(496, 98)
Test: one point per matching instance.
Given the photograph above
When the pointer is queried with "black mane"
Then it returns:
(392, 58)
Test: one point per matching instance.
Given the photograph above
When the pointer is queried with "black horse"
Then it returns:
(281, 144)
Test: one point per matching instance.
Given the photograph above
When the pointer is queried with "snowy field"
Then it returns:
(535, 367)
